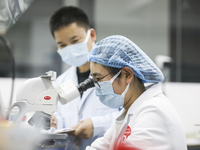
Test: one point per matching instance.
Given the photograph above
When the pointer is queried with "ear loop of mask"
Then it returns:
(115, 76)
(127, 87)
(87, 36)
(125, 91)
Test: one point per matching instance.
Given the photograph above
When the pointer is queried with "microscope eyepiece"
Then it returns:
(83, 86)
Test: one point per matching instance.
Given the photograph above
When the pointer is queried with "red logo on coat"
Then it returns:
(126, 134)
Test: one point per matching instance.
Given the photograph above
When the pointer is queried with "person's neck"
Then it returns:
(138, 90)
(84, 68)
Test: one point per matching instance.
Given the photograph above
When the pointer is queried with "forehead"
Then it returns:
(97, 68)
(69, 31)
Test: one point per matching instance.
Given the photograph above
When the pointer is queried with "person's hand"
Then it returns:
(84, 129)
(54, 122)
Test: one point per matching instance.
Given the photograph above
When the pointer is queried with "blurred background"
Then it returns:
(158, 27)
(168, 31)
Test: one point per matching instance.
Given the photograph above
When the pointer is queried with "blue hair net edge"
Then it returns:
(96, 60)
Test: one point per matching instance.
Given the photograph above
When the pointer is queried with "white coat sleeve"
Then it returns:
(102, 143)
(102, 123)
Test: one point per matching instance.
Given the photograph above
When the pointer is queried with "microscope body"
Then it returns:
(40, 95)
(36, 94)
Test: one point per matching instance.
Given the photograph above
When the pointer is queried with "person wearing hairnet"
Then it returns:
(148, 120)
(74, 37)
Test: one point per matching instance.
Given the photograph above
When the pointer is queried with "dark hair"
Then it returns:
(67, 15)
(113, 71)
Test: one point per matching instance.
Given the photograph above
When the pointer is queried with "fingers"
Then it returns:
(78, 130)
(53, 122)
(84, 129)
(74, 127)
(54, 125)
(71, 133)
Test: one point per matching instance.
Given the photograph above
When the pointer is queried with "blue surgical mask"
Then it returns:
(104, 90)
(76, 54)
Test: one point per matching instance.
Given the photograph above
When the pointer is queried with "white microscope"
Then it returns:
(40, 95)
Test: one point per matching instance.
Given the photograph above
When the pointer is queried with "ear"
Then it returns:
(129, 74)
(93, 35)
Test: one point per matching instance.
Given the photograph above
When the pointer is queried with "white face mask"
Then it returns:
(107, 95)
(75, 54)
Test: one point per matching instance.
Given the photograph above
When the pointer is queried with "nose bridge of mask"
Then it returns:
(115, 76)
(87, 36)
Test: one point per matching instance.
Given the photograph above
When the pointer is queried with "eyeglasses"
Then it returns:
(97, 80)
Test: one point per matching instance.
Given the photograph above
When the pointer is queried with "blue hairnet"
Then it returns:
(118, 51)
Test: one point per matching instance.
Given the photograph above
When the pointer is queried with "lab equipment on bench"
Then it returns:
(40, 95)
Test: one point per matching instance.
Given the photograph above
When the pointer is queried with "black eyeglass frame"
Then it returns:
(96, 81)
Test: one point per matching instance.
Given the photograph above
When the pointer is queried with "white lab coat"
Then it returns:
(151, 123)
(88, 106)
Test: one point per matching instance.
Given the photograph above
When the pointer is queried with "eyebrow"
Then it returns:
(59, 43)
(96, 74)
(72, 38)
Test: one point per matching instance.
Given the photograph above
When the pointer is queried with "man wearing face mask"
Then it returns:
(71, 30)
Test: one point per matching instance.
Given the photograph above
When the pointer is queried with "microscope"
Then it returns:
(41, 96)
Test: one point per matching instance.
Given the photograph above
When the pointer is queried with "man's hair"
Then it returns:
(67, 15)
